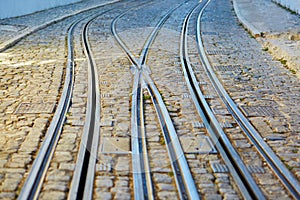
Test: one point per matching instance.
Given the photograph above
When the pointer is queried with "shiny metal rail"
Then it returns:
(143, 187)
(40, 166)
(82, 184)
(284, 175)
(184, 180)
(237, 168)
(140, 162)
(83, 179)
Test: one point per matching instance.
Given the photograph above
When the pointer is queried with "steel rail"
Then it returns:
(237, 168)
(142, 182)
(120, 42)
(143, 55)
(140, 161)
(146, 165)
(184, 179)
(34, 181)
(40, 165)
(83, 179)
(143, 187)
(285, 176)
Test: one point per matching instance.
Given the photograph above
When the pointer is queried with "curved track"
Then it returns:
(40, 166)
(284, 175)
(10, 43)
(236, 166)
(82, 183)
(36, 176)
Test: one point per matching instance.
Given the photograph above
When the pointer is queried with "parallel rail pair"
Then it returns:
(240, 172)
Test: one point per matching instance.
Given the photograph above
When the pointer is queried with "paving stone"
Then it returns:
(242, 144)
(208, 190)
(7, 195)
(167, 195)
(103, 167)
(67, 166)
(224, 191)
(166, 187)
(10, 185)
(65, 147)
(213, 196)
(53, 195)
(12, 170)
(162, 178)
(120, 190)
(231, 196)
(115, 145)
(104, 183)
(122, 166)
(57, 175)
(121, 183)
(102, 195)
(63, 187)
(122, 196)
(63, 156)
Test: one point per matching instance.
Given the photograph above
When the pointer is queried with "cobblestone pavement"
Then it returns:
(265, 89)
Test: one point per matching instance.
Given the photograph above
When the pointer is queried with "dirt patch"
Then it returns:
(285, 47)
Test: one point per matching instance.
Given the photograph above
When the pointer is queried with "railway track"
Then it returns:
(35, 179)
(238, 169)
(241, 173)
(82, 182)
(36, 176)
(284, 175)
(287, 179)
(184, 180)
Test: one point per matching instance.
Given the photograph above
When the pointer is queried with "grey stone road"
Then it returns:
(260, 73)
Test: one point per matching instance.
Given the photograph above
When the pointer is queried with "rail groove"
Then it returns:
(140, 162)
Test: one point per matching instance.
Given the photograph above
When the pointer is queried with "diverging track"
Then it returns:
(184, 181)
